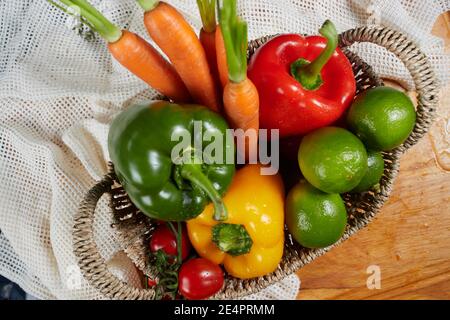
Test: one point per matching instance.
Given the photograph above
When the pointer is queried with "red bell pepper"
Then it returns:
(304, 83)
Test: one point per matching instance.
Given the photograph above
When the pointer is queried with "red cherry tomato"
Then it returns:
(151, 282)
(199, 279)
(163, 238)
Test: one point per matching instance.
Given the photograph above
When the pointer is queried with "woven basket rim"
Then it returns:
(94, 268)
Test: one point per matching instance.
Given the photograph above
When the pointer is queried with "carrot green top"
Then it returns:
(148, 5)
(234, 31)
(208, 13)
(90, 17)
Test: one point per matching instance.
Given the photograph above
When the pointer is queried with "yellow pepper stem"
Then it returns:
(232, 238)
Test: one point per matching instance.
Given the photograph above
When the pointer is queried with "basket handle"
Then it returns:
(418, 66)
(92, 264)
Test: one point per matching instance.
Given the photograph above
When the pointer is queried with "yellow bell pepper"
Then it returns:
(250, 242)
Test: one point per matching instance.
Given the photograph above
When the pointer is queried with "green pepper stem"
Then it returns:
(194, 174)
(309, 73)
(148, 5)
(232, 238)
(235, 37)
(92, 18)
(207, 10)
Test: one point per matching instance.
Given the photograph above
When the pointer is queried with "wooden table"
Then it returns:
(409, 240)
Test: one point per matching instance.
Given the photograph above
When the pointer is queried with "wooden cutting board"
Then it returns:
(408, 243)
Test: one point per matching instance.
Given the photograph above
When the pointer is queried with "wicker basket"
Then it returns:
(134, 229)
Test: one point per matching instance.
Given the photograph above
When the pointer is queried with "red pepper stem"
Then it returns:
(309, 73)
(194, 174)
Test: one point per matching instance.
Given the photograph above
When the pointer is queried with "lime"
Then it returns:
(314, 218)
(382, 118)
(375, 169)
(332, 159)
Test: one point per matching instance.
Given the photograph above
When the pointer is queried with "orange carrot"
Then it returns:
(208, 40)
(133, 52)
(207, 36)
(171, 32)
(138, 56)
(240, 97)
(241, 101)
(221, 57)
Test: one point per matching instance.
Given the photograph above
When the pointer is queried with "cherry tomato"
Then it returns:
(151, 282)
(199, 279)
(163, 238)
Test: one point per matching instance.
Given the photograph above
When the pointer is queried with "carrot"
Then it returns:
(133, 52)
(221, 55)
(241, 102)
(207, 35)
(240, 97)
(171, 32)
(138, 56)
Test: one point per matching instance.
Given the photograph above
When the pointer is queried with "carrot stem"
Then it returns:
(148, 5)
(208, 14)
(92, 18)
(234, 31)
(72, 13)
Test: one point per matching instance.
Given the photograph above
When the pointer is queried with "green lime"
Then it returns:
(314, 218)
(375, 169)
(332, 159)
(382, 118)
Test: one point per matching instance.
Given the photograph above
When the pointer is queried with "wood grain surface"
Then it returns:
(409, 240)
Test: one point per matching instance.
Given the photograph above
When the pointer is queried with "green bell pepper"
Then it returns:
(140, 146)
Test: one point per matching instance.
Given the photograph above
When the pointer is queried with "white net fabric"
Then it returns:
(58, 92)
